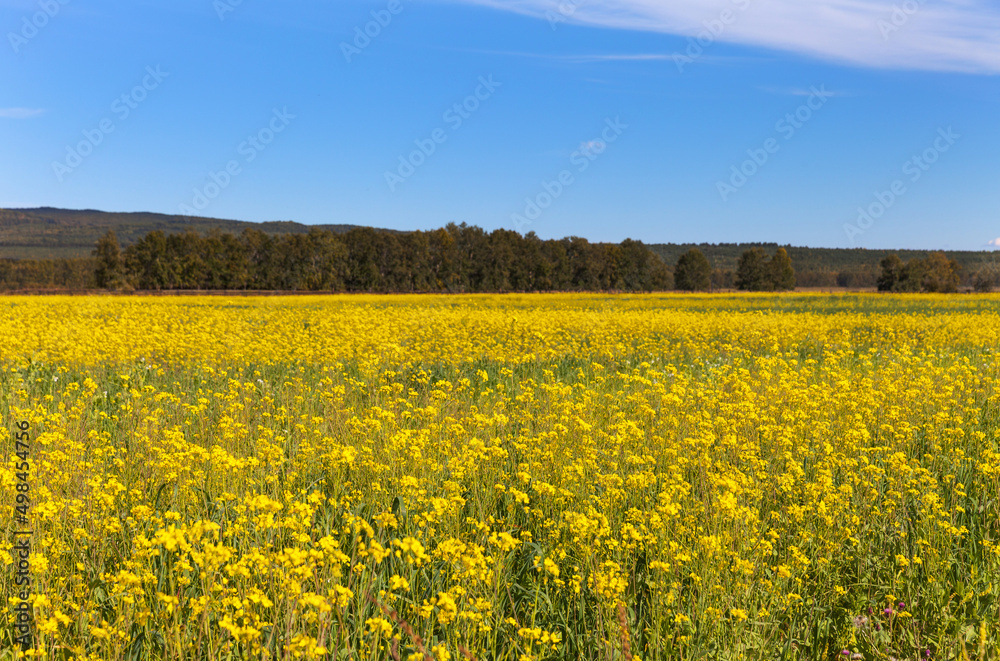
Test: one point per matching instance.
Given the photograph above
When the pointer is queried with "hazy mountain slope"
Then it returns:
(47, 233)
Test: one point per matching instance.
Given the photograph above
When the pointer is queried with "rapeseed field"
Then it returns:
(503, 477)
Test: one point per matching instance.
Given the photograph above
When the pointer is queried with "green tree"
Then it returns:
(781, 275)
(912, 277)
(444, 259)
(148, 264)
(607, 256)
(751, 272)
(987, 277)
(634, 266)
(940, 274)
(892, 272)
(560, 271)
(693, 272)
(109, 270)
(662, 277)
(584, 264)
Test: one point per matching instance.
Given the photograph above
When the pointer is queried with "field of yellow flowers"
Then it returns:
(504, 477)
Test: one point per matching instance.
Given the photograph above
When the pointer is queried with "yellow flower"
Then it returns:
(447, 609)
(379, 626)
(341, 595)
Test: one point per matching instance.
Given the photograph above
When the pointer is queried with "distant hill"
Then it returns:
(48, 233)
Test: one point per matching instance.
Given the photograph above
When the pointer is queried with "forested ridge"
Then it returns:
(47, 233)
(157, 252)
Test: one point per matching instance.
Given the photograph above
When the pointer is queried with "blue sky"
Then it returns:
(833, 123)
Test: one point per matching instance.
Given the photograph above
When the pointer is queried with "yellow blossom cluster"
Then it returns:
(506, 477)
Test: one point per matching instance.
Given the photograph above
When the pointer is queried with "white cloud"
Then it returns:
(822, 91)
(943, 35)
(20, 113)
(617, 57)
(994, 243)
(588, 58)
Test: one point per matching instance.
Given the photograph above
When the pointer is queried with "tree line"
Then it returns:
(834, 267)
(935, 273)
(456, 258)
(756, 271)
(68, 274)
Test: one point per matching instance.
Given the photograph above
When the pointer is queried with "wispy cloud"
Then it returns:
(618, 57)
(946, 35)
(576, 59)
(802, 91)
(20, 113)
(589, 58)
